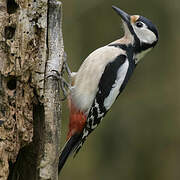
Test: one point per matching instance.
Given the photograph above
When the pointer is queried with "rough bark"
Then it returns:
(31, 46)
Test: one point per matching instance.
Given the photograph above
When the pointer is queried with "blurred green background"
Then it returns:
(139, 139)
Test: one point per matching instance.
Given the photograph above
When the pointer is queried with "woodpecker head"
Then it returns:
(140, 31)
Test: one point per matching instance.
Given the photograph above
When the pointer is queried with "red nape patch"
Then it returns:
(76, 122)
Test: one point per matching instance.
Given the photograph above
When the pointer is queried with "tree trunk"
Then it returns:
(31, 47)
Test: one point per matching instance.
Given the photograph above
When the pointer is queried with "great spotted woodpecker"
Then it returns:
(103, 76)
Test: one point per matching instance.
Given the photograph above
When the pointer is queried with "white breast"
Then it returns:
(88, 76)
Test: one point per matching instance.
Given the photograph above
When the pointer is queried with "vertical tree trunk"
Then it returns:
(31, 46)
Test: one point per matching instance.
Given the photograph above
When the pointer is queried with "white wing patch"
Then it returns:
(121, 74)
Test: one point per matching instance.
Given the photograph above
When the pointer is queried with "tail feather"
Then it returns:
(71, 144)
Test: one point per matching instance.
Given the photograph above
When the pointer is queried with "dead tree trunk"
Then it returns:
(31, 47)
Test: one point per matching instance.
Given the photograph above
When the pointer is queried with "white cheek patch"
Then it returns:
(144, 34)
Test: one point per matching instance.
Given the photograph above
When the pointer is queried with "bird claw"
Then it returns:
(63, 83)
(66, 67)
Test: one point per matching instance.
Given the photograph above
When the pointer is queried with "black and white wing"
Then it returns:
(112, 79)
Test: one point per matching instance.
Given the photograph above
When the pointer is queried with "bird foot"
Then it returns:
(65, 86)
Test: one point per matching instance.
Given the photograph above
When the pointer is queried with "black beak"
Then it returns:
(124, 15)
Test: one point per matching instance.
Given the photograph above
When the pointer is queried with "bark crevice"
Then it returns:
(12, 6)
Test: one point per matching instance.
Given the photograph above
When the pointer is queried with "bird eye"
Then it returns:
(139, 24)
